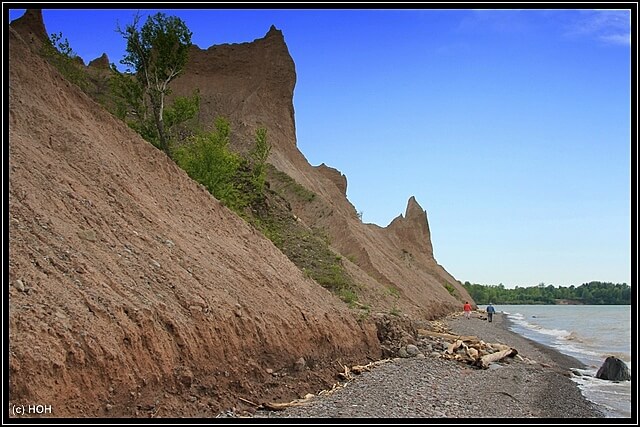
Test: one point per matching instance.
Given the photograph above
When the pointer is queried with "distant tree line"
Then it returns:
(593, 293)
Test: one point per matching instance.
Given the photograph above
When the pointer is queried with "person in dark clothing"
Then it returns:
(490, 311)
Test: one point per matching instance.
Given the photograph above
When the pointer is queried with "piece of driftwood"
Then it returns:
(333, 388)
(345, 374)
(487, 359)
(451, 348)
(439, 326)
(358, 369)
(274, 406)
(498, 347)
(471, 350)
(472, 353)
(249, 402)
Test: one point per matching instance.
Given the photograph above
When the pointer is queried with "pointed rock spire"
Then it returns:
(413, 228)
(101, 62)
(31, 25)
(273, 31)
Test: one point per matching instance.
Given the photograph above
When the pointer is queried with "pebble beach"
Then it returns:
(537, 384)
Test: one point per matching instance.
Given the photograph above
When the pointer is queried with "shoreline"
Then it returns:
(555, 366)
(562, 360)
(537, 386)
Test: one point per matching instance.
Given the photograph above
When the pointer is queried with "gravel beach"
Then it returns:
(536, 386)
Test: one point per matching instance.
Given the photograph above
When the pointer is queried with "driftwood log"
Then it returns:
(487, 359)
(472, 353)
(272, 406)
(470, 349)
(498, 347)
(358, 369)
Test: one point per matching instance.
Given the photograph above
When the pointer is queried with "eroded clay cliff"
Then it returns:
(132, 291)
(252, 85)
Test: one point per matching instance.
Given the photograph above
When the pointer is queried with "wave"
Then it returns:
(567, 342)
(573, 336)
(519, 319)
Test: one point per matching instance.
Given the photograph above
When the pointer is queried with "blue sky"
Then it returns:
(511, 128)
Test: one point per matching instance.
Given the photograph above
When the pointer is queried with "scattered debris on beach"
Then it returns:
(471, 350)
(436, 341)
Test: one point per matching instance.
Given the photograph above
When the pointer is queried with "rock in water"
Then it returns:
(614, 369)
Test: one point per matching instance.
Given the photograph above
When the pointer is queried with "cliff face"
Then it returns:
(252, 85)
(132, 291)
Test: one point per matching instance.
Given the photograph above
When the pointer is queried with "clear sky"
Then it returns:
(512, 128)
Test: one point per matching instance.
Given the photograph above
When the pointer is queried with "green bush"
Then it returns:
(179, 118)
(127, 95)
(452, 291)
(349, 296)
(236, 181)
(207, 159)
(290, 186)
(393, 291)
(58, 52)
(258, 160)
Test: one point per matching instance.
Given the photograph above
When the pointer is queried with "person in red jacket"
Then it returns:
(467, 310)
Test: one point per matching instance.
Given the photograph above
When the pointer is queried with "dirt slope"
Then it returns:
(252, 85)
(132, 291)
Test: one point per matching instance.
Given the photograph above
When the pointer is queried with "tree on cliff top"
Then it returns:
(157, 52)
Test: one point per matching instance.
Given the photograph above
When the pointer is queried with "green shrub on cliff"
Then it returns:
(57, 51)
(452, 291)
(237, 181)
(207, 159)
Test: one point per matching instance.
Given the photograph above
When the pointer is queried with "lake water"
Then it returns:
(589, 333)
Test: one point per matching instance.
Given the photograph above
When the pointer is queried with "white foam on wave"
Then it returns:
(573, 336)
(513, 316)
(567, 342)
(557, 333)
(615, 397)
(519, 319)
(606, 390)
(565, 347)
